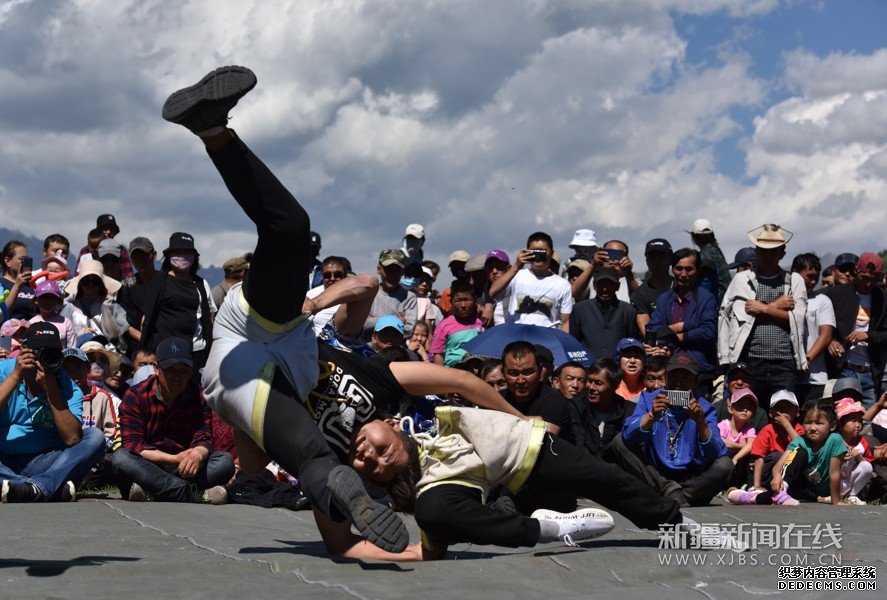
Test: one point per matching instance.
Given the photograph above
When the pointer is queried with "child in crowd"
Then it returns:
(460, 327)
(856, 470)
(654, 373)
(98, 411)
(419, 342)
(53, 268)
(810, 468)
(739, 434)
(47, 303)
(15, 330)
(768, 447)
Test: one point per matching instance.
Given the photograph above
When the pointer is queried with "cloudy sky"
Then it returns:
(482, 120)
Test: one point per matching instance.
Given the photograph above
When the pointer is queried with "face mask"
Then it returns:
(181, 262)
(409, 282)
(96, 374)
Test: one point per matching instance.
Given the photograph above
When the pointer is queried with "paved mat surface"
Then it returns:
(106, 548)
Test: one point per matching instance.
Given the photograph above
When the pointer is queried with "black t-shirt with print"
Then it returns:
(550, 406)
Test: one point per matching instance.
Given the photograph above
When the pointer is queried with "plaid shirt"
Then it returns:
(126, 271)
(148, 423)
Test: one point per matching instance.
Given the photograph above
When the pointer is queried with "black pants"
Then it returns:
(275, 287)
(772, 376)
(698, 488)
(454, 513)
(795, 475)
(277, 280)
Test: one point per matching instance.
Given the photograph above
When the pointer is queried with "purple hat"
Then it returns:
(47, 287)
(497, 254)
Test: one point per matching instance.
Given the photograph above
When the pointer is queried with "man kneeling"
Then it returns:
(166, 430)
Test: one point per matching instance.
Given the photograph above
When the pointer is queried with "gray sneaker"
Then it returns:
(215, 495)
(206, 104)
(376, 522)
(137, 494)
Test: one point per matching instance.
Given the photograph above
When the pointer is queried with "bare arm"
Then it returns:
(340, 541)
(870, 414)
(498, 286)
(821, 343)
(834, 475)
(70, 427)
(355, 296)
(758, 474)
(422, 379)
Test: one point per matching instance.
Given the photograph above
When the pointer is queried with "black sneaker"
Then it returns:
(376, 522)
(66, 493)
(205, 104)
(19, 492)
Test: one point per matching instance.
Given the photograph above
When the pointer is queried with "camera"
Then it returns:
(539, 255)
(679, 398)
(50, 357)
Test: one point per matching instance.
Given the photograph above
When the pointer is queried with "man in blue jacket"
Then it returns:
(680, 451)
(691, 313)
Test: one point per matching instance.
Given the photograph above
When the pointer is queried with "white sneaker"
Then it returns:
(577, 526)
(854, 500)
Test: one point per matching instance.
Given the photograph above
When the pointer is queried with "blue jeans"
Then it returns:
(163, 481)
(51, 469)
(867, 383)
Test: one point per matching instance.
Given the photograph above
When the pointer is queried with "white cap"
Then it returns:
(783, 395)
(415, 230)
(701, 226)
(584, 238)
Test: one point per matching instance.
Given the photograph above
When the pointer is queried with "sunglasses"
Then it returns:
(91, 281)
(333, 274)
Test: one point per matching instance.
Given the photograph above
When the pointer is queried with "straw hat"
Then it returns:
(769, 236)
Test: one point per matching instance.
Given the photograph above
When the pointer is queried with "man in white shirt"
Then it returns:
(536, 297)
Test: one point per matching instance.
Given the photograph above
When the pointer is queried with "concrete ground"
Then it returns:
(108, 548)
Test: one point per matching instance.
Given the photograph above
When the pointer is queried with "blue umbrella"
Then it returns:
(564, 347)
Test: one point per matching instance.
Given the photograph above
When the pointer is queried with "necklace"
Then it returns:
(672, 438)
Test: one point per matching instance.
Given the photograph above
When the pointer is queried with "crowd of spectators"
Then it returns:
(758, 380)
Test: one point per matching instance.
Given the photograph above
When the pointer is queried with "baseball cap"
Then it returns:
(476, 263)
(682, 360)
(415, 230)
(701, 226)
(47, 287)
(846, 258)
(783, 396)
(628, 342)
(75, 353)
(499, 255)
(658, 245)
(743, 393)
(739, 366)
(106, 219)
(869, 261)
(606, 273)
(173, 351)
(843, 385)
(91, 337)
(744, 256)
(141, 243)
(391, 256)
(583, 238)
(108, 247)
(459, 256)
(389, 321)
(42, 335)
(847, 406)
(579, 263)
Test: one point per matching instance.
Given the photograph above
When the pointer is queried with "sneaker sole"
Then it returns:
(224, 84)
(68, 493)
(604, 522)
(376, 522)
(4, 491)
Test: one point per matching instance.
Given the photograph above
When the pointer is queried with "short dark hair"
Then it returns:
(609, 368)
(616, 242)
(807, 260)
(683, 253)
(403, 488)
(394, 354)
(827, 408)
(655, 363)
(490, 365)
(540, 236)
(569, 365)
(334, 260)
(55, 238)
(519, 349)
(828, 271)
(8, 252)
(461, 286)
